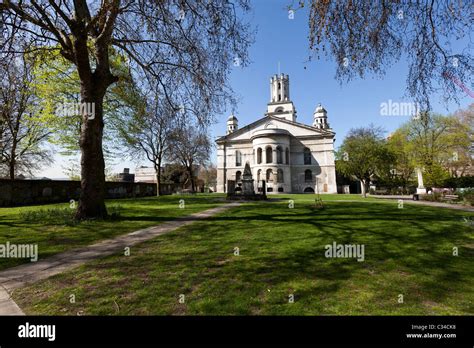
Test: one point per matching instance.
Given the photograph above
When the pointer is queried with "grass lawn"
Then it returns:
(55, 232)
(408, 252)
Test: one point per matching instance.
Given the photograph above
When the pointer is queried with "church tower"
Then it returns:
(320, 117)
(280, 88)
(232, 124)
(280, 104)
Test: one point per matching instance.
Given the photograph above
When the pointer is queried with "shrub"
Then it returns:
(50, 216)
(466, 195)
(434, 197)
(464, 181)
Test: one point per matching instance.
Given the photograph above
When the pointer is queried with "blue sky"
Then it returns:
(284, 40)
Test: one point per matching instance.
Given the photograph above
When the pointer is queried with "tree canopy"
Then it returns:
(190, 44)
(370, 36)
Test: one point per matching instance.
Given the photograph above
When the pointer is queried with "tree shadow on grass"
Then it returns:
(276, 253)
(382, 244)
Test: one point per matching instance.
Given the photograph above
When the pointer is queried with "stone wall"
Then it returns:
(28, 192)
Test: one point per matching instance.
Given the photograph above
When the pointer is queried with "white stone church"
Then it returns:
(291, 157)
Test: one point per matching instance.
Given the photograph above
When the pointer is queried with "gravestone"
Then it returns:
(247, 181)
(245, 190)
(230, 187)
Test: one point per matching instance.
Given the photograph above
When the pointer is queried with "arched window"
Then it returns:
(287, 156)
(307, 156)
(259, 155)
(259, 173)
(238, 176)
(280, 175)
(308, 175)
(269, 175)
(268, 153)
(238, 158)
(279, 155)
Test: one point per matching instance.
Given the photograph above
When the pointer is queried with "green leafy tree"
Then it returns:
(192, 43)
(432, 140)
(57, 84)
(403, 166)
(23, 136)
(438, 144)
(363, 154)
(461, 163)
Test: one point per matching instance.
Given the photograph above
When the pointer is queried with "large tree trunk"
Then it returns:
(12, 169)
(91, 203)
(363, 187)
(12, 166)
(158, 178)
(191, 177)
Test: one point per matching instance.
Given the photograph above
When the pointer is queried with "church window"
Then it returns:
(307, 156)
(259, 174)
(269, 175)
(287, 156)
(238, 158)
(308, 175)
(279, 155)
(268, 153)
(259, 155)
(280, 175)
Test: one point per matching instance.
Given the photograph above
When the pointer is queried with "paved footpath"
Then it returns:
(428, 203)
(17, 277)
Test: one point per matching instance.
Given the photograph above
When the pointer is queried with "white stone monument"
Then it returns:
(421, 190)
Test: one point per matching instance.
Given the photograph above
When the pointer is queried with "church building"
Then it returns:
(291, 157)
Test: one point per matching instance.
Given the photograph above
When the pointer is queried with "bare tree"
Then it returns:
(190, 42)
(369, 36)
(208, 174)
(22, 135)
(191, 147)
(147, 132)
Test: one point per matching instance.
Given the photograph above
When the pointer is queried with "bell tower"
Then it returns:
(232, 124)
(280, 104)
(279, 89)
(320, 118)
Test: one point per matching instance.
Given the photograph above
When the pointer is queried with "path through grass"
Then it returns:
(54, 232)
